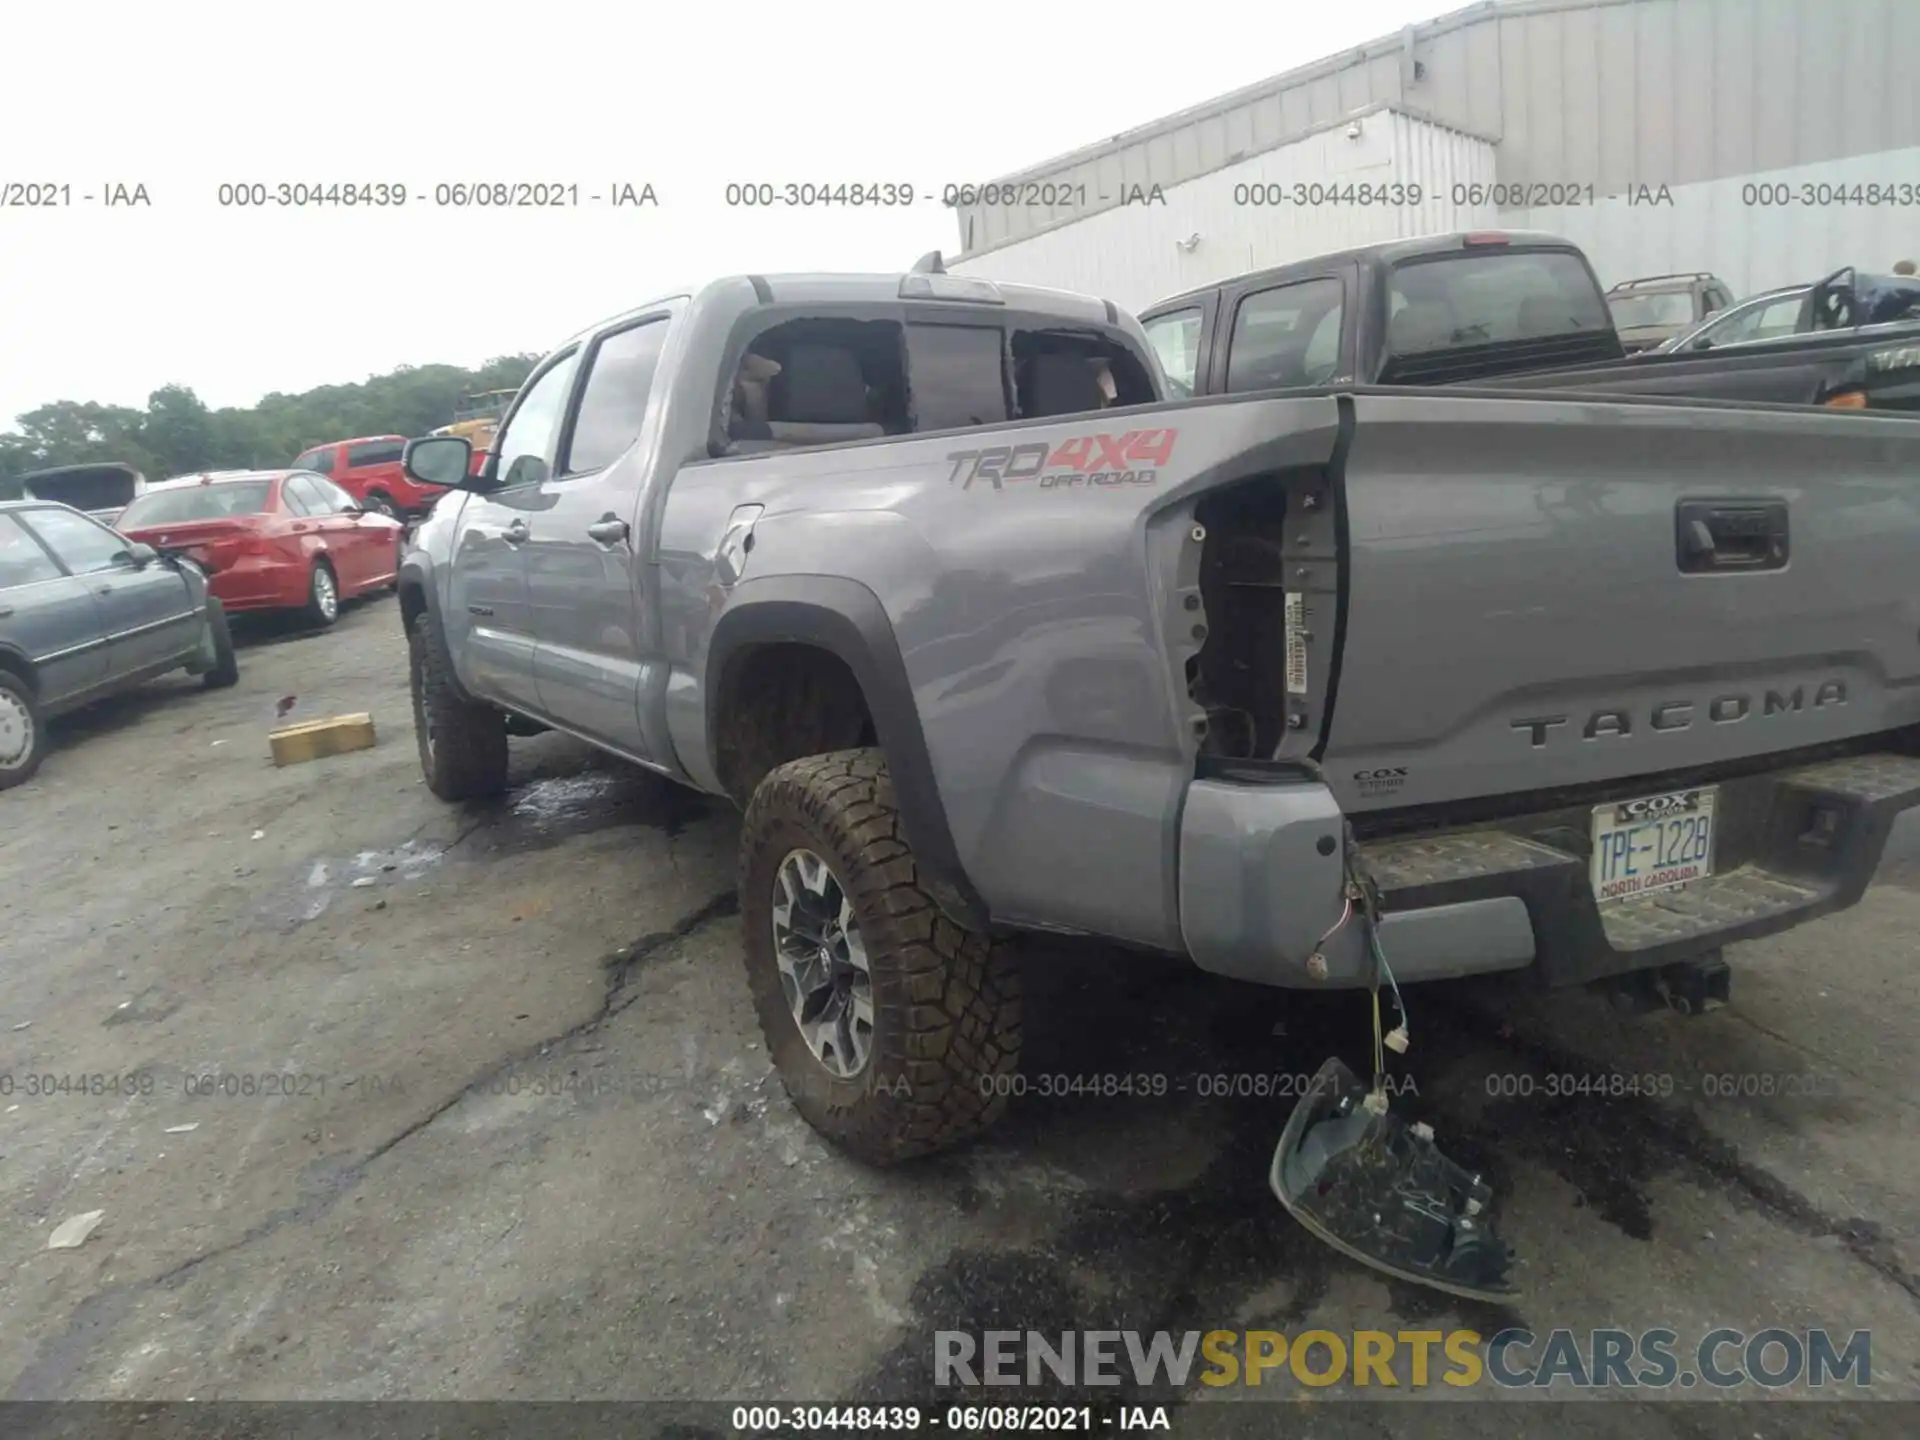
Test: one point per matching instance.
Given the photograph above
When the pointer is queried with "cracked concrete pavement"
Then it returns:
(481, 1111)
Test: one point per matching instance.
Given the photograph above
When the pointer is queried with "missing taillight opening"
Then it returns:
(1251, 652)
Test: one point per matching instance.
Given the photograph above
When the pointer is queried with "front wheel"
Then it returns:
(895, 1031)
(463, 743)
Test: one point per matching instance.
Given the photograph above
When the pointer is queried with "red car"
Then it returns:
(271, 539)
(369, 470)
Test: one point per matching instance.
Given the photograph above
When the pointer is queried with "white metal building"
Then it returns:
(1743, 137)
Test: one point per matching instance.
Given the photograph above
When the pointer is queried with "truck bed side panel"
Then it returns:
(1031, 626)
(1518, 618)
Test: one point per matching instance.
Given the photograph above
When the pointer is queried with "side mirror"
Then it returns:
(443, 460)
(139, 556)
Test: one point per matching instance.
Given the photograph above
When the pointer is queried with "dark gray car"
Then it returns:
(85, 612)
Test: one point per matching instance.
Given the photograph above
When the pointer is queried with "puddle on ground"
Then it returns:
(326, 879)
(554, 808)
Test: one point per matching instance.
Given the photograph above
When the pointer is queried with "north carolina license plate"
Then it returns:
(1662, 842)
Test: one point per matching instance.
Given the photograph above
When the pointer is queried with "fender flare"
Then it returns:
(416, 577)
(845, 619)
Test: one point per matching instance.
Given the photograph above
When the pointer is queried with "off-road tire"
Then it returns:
(946, 1001)
(19, 692)
(226, 664)
(463, 743)
(314, 613)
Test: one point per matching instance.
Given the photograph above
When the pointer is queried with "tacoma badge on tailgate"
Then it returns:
(1678, 714)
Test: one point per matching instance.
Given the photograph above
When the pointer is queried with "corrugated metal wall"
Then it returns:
(1612, 93)
(1134, 255)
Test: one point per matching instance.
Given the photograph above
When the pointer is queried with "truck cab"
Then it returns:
(1438, 310)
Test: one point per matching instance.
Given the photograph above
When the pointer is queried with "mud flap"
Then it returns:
(1376, 1189)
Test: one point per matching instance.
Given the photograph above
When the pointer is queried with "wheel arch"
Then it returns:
(16, 663)
(845, 621)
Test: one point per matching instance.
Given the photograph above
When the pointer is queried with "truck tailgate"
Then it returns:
(1544, 592)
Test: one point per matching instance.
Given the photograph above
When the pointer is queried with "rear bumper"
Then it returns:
(1259, 884)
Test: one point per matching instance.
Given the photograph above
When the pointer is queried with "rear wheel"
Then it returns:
(463, 743)
(323, 595)
(23, 738)
(895, 1032)
(226, 665)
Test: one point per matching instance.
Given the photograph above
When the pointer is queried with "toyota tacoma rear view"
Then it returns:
(986, 636)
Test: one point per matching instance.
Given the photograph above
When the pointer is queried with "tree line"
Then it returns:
(177, 434)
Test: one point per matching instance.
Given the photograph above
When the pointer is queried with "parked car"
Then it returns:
(272, 539)
(369, 469)
(1652, 310)
(1845, 300)
(1758, 317)
(986, 636)
(85, 612)
(101, 490)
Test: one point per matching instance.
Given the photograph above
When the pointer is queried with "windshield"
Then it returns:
(1666, 307)
(1486, 297)
(197, 502)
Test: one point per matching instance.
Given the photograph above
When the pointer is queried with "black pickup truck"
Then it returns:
(1510, 309)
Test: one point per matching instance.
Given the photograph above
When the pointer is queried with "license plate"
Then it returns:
(1662, 842)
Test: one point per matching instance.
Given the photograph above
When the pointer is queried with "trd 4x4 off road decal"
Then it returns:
(1131, 458)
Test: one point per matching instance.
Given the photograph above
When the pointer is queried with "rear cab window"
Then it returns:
(1485, 311)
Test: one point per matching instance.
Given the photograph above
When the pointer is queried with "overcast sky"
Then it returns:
(99, 304)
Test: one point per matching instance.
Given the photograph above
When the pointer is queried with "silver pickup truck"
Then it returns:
(986, 637)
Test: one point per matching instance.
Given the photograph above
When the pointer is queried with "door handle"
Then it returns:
(515, 533)
(1733, 535)
(608, 532)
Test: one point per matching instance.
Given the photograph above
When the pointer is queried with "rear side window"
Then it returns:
(301, 494)
(614, 402)
(22, 561)
(1176, 340)
(956, 376)
(1286, 336)
(371, 452)
(1490, 297)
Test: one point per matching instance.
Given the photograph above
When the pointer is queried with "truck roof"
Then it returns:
(824, 288)
(1392, 252)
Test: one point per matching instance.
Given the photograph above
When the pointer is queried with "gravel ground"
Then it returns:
(532, 1148)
